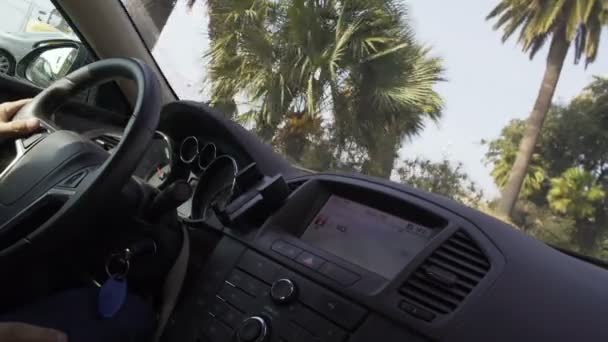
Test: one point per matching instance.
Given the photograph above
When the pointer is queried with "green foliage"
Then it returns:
(569, 207)
(573, 135)
(442, 178)
(561, 22)
(576, 194)
(296, 133)
(353, 61)
(577, 134)
(502, 153)
(542, 223)
(537, 20)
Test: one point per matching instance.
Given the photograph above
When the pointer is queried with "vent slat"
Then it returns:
(460, 289)
(462, 235)
(469, 278)
(475, 261)
(426, 305)
(430, 301)
(460, 265)
(435, 290)
(471, 249)
(463, 264)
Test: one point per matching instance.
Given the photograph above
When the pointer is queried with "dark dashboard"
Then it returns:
(354, 258)
(288, 256)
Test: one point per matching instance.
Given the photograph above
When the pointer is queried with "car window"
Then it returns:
(498, 104)
(26, 26)
(38, 46)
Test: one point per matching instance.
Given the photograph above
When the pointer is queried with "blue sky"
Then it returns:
(489, 83)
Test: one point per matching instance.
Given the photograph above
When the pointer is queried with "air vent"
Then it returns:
(107, 142)
(446, 277)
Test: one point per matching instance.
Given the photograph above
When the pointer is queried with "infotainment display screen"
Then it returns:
(367, 237)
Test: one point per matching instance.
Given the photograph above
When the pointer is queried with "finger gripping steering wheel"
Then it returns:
(60, 180)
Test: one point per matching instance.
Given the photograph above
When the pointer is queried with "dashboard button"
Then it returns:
(335, 308)
(247, 283)
(339, 274)
(236, 297)
(283, 291)
(293, 333)
(310, 260)
(286, 249)
(218, 307)
(287, 332)
(216, 331)
(226, 313)
(304, 336)
(316, 324)
(259, 266)
(416, 311)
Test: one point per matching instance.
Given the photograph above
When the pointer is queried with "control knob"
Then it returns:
(283, 291)
(253, 329)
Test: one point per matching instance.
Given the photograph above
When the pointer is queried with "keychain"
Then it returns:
(113, 292)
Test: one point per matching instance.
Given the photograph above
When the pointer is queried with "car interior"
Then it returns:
(231, 242)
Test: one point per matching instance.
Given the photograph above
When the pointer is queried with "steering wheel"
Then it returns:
(60, 180)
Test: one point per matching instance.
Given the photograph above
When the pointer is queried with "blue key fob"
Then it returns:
(112, 295)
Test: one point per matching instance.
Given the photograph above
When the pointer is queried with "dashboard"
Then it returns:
(354, 258)
(350, 257)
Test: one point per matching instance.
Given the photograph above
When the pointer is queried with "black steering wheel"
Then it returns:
(60, 181)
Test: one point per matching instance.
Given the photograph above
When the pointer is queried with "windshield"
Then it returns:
(499, 104)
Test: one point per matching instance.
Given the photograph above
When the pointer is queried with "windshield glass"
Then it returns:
(499, 104)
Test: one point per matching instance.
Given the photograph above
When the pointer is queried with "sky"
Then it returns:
(488, 83)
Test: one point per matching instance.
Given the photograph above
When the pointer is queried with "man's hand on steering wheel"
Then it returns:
(14, 331)
(15, 128)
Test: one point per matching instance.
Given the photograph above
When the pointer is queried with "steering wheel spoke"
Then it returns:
(48, 203)
(18, 230)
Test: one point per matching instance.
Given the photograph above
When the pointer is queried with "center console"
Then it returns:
(343, 259)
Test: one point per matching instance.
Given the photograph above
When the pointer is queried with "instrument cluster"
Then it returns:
(211, 173)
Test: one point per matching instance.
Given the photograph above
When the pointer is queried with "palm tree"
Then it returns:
(562, 22)
(535, 175)
(356, 60)
(502, 153)
(576, 194)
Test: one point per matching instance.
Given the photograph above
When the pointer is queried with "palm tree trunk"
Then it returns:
(555, 61)
(382, 155)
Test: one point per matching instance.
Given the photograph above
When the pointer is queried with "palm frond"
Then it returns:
(539, 20)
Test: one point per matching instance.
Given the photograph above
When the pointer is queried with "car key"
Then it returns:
(113, 292)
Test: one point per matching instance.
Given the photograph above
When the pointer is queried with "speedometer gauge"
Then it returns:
(215, 187)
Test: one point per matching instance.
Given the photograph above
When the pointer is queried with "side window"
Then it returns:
(37, 45)
(35, 37)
